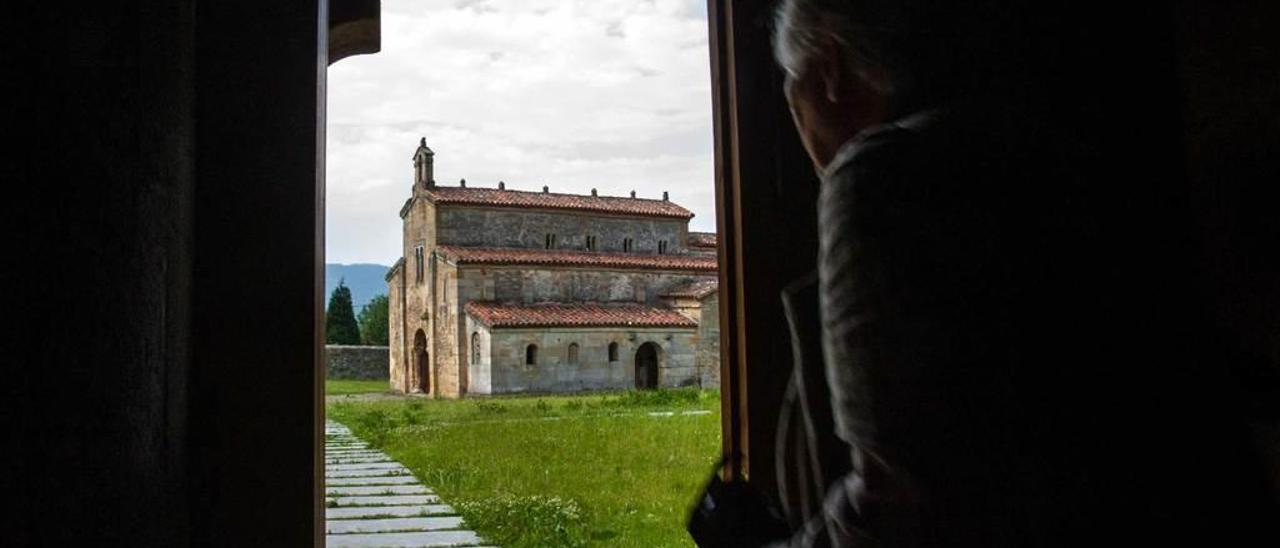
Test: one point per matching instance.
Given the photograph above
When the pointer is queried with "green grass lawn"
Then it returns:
(336, 387)
(581, 470)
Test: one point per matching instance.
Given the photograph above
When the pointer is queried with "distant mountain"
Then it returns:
(366, 281)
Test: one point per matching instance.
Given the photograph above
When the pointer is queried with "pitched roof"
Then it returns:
(562, 257)
(575, 315)
(395, 268)
(493, 197)
(700, 289)
(702, 239)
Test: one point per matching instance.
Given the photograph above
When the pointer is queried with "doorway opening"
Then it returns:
(647, 366)
(422, 361)
(538, 218)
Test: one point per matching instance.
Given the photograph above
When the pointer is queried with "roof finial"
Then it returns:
(664, 196)
(593, 192)
(633, 194)
(502, 185)
(463, 183)
(546, 189)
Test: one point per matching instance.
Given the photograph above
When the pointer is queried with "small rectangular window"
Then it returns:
(418, 267)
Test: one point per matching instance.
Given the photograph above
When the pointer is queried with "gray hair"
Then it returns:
(892, 35)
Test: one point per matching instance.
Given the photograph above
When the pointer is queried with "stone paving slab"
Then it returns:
(405, 540)
(392, 525)
(371, 480)
(374, 501)
(352, 456)
(364, 466)
(382, 500)
(356, 459)
(415, 489)
(366, 473)
(359, 512)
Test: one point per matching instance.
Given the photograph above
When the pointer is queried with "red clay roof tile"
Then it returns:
(702, 239)
(575, 315)
(562, 257)
(549, 200)
(700, 289)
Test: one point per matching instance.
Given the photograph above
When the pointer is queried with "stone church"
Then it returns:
(503, 291)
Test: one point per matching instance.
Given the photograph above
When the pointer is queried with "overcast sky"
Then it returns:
(606, 94)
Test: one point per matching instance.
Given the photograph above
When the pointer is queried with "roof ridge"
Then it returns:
(541, 193)
(502, 197)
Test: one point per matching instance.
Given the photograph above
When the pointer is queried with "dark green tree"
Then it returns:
(374, 321)
(340, 321)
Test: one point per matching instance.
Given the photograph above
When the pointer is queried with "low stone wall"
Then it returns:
(357, 362)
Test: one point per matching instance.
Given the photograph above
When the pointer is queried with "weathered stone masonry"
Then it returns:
(503, 291)
(356, 362)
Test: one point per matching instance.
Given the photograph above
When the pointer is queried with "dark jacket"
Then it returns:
(986, 356)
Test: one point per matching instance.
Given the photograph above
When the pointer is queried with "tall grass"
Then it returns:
(573, 470)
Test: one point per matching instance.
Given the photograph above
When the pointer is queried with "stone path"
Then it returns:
(372, 500)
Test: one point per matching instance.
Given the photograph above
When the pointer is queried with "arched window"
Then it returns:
(475, 348)
(551, 241)
(531, 355)
(573, 352)
(627, 244)
(662, 247)
(613, 351)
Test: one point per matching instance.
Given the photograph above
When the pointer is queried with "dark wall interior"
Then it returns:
(100, 167)
(767, 199)
(1230, 84)
(162, 155)
(255, 431)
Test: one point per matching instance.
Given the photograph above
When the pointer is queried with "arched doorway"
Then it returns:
(421, 363)
(647, 366)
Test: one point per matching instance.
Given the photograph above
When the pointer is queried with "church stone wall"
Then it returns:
(419, 229)
(553, 373)
(356, 362)
(448, 377)
(529, 285)
(709, 342)
(479, 358)
(395, 323)
(484, 227)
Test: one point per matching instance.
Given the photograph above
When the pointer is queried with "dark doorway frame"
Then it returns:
(648, 361)
(759, 171)
(199, 161)
(421, 363)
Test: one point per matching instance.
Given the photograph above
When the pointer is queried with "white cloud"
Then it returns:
(605, 94)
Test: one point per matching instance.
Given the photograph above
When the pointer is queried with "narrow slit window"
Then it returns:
(613, 351)
(531, 355)
(573, 353)
(418, 268)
